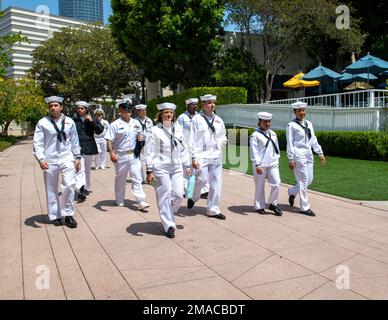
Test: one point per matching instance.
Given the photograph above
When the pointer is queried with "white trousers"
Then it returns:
(169, 192)
(63, 205)
(82, 177)
(128, 163)
(210, 171)
(102, 156)
(304, 177)
(272, 175)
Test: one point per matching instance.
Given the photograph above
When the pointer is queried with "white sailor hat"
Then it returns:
(99, 110)
(124, 103)
(53, 99)
(299, 105)
(166, 105)
(191, 100)
(82, 104)
(264, 116)
(140, 107)
(208, 97)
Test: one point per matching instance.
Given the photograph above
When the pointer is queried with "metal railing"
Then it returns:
(323, 118)
(356, 99)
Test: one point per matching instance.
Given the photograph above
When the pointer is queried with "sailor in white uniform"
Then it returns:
(300, 139)
(56, 147)
(207, 137)
(184, 121)
(121, 138)
(146, 127)
(101, 158)
(265, 154)
(166, 151)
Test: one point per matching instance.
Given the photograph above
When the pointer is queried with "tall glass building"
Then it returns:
(88, 10)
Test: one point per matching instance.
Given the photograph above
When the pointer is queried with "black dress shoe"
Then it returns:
(261, 211)
(170, 233)
(190, 203)
(291, 200)
(204, 195)
(218, 216)
(308, 213)
(70, 222)
(57, 222)
(80, 197)
(275, 209)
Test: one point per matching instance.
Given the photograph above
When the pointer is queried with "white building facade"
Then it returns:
(37, 27)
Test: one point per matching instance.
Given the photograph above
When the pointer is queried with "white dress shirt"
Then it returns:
(298, 143)
(46, 145)
(166, 145)
(204, 144)
(261, 155)
(123, 134)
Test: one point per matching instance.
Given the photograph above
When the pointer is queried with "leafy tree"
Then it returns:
(372, 15)
(20, 101)
(83, 63)
(237, 67)
(285, 26)
(172, 41)
(6, 43)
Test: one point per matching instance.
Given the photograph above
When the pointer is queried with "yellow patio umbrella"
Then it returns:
(359, 85)
(297, 82)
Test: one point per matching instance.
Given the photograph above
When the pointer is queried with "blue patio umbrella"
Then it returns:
(320, 73)
(348, 77)
(368, 64)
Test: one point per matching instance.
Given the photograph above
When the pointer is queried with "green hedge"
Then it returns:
(6, 142)
(225, 95)
(354, 145)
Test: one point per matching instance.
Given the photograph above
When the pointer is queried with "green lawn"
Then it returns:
(349, 178)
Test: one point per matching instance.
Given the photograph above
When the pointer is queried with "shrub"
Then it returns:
(354, 145)
(225, 95)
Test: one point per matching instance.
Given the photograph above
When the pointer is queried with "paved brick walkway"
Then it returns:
(120, 253)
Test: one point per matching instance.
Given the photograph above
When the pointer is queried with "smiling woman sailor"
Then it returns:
(165, 152)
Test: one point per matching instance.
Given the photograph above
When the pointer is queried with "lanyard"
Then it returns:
(60, 133)
(268, 140)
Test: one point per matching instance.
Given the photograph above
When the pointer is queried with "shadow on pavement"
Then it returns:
(185, 212)
(137, 229)
(112, 203)
(243, 210)
(35, 220)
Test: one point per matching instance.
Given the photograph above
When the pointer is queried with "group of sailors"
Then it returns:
(165, 155)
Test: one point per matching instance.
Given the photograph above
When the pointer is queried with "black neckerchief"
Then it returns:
(268, 140)
(188, 114)
(143, 125)
(173, 138)
(210, 124)
(60, 133)
(305, 128)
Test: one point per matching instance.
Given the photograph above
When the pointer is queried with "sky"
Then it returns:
(53, 7)
(51, 4)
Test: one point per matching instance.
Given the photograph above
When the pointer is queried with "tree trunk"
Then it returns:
(4, 133)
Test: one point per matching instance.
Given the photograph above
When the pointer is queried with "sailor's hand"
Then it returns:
(291, 165)
(43, 165)
(259, 170)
